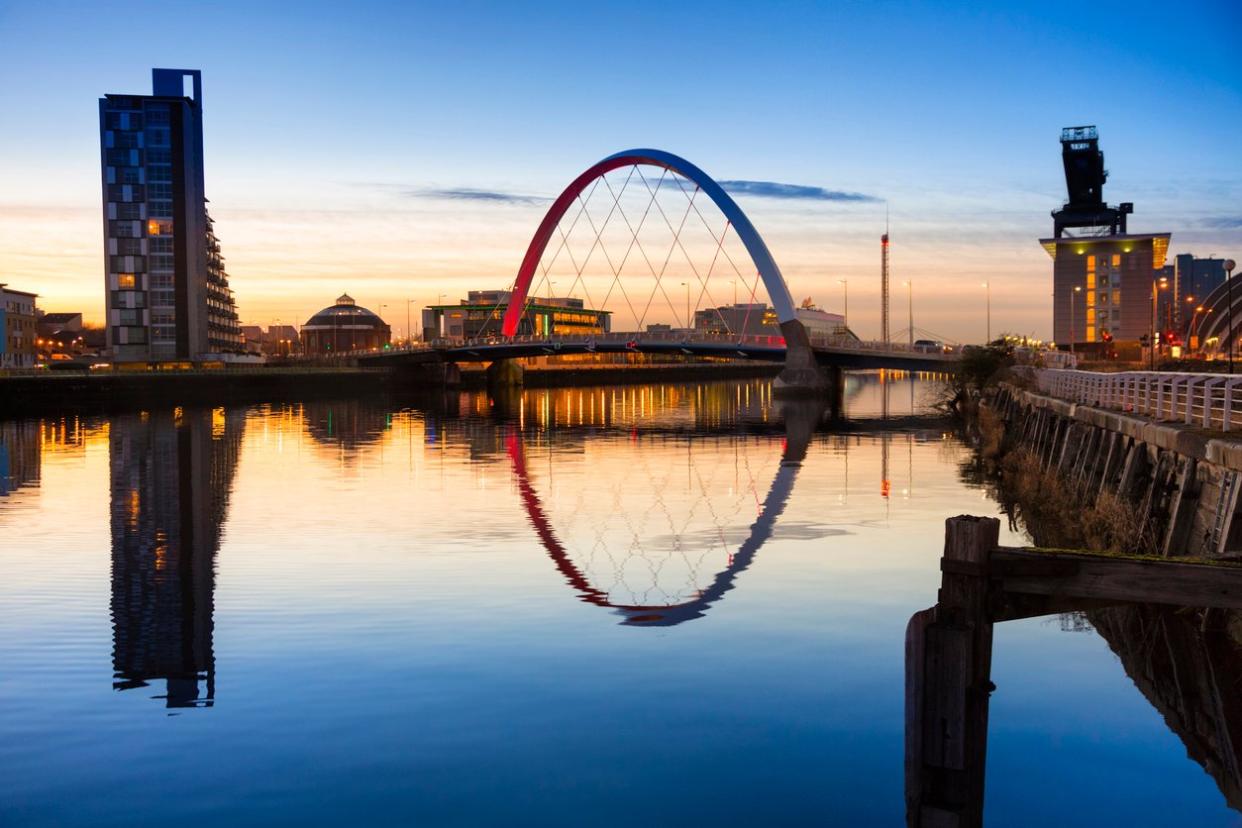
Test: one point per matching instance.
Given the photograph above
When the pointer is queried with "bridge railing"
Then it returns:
(724, 339)
(1205, 400)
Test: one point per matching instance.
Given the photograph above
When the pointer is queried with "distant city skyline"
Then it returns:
(396, 153)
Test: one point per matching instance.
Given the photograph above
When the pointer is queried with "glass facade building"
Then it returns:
(167, 290)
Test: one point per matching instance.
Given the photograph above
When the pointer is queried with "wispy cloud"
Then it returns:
(1223, 222)
(471, 194)
(775, 189)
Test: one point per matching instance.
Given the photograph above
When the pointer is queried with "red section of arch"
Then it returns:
(526, 274)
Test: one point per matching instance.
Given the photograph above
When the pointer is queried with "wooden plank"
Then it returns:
(1115, 578)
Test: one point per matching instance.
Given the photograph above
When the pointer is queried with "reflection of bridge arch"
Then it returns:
(800, 425)
(778, 291)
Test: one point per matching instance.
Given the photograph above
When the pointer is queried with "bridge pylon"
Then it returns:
(505, 374)
(802, 375)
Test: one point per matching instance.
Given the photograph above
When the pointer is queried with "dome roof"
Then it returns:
(345, 313)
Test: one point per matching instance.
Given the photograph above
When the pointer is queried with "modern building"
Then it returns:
(345, 326)
(18, 332)
(758, 319)
(1104, 279)
(167, 291)
(481, 312)
(1193, 279)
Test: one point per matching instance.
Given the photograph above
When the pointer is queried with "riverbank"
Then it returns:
(62, 391)
(563, 376)
(1075, 475)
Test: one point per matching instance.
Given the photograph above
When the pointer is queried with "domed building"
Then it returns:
(344, 327)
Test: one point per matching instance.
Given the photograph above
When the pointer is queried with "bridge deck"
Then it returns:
(838, 351)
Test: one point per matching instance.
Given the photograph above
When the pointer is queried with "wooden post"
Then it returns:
(948, 682)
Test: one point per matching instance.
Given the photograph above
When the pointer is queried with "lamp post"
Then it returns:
(987, 287)
(734, 283)
(1073, 301)
(409, 335)
(910, 308)
(686, 285)
(1229, 266)
(1156, 287)
(845, 301)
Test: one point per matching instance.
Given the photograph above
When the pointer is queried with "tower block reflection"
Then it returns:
(171, 473)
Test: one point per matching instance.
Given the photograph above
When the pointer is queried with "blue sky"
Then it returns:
(331, 129)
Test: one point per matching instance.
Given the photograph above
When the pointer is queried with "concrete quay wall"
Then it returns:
(1183, 481)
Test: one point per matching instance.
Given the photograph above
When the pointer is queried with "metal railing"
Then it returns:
(1206, 400)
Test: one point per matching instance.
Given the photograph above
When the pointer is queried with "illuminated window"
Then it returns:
(1116, 260)
(125, 280)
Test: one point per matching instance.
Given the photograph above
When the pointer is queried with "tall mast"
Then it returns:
(884, 280)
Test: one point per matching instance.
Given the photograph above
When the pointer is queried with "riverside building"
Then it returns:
(480, 313)
(1104, 279)
(17, 328)
(167, 292)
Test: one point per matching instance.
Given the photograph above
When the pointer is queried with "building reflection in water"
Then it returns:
(20, 455)
(171, 475)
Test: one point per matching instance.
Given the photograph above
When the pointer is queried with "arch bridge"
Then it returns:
(808, 359)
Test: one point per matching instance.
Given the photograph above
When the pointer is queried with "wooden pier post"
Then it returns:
(948, 682)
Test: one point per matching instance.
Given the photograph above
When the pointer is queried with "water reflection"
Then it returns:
(676, 606)
(20, 456)
(1186, 661)
(170, 477)
(1188, 666)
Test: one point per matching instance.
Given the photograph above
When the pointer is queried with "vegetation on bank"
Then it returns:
(980, 371)
(1056, 511)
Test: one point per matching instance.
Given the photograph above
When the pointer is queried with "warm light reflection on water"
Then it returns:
(557, 604)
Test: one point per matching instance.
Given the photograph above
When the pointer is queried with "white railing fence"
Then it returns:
(1205, 400)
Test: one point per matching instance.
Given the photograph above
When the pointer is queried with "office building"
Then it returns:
(18, 332)
(167, 292)
(480, 314)
(1104, 279)
(1193, 279)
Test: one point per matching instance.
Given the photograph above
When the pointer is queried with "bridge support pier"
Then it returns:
(802, 376)
(505, 373)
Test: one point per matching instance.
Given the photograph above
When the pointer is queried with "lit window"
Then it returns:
(125, 280)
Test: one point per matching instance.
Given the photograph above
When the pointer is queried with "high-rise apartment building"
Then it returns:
(167, 291)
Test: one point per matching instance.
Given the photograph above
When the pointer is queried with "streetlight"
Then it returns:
(1073, 301)
(1229, 266)
(910, 303)
(686, 285)
(845, 301)
(1156, 287)
(987, 286)
(409, 335)
(734, 283)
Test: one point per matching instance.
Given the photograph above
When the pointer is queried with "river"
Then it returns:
(643, 605)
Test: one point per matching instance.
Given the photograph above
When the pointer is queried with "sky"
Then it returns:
(406, 151)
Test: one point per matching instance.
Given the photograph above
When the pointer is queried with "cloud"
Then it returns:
(775, 189)
(1223, 222)
(471, 194)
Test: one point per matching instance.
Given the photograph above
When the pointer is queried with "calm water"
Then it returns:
(626, 606)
